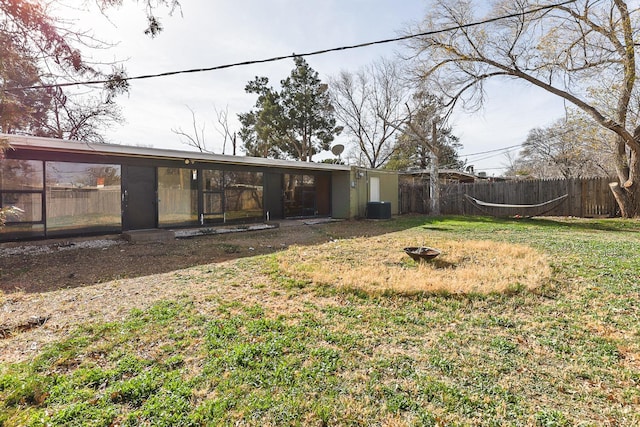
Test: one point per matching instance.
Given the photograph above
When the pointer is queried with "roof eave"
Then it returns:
(52, 144)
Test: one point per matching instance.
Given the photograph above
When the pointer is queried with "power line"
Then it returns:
(493, 169)
(494, 155)
(498, 151)
(504, 150)
(491, 151)
(294, 55)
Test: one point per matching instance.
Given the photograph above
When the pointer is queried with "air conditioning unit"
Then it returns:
(379, 210)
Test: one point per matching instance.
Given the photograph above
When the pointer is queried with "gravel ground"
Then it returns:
(49, 248)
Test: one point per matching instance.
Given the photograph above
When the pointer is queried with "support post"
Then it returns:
(434, 188)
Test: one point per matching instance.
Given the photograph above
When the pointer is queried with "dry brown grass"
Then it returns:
(378, 265)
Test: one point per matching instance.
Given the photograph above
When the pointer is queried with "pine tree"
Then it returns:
(296, 122)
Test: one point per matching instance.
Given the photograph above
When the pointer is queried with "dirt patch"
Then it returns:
(68, 283)
(68, 264)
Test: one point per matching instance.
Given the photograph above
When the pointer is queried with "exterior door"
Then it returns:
(374, 189)
(273, 196)
(323, 194)
(139, 199)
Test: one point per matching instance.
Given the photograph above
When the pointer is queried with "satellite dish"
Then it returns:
(337, 149)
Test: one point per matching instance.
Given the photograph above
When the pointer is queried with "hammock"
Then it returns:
(520, 211)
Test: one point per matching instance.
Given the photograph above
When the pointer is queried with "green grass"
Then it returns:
(566, 354)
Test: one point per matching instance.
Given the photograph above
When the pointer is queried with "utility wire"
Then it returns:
(494, 169)
(494, 155)
(294, 55)
(498, 152)
(510, 148)
(491, 151)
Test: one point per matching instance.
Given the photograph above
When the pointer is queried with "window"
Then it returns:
(300, 195)
(177, 196)
(21, 175)
(22, 207)
(21, 195)
(82, 196)
(213, 195)
(231, 195)
(243, 195)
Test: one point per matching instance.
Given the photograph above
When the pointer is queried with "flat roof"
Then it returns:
(440, 172)
(60, 145)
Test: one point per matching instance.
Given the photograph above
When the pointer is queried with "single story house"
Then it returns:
(61, 188)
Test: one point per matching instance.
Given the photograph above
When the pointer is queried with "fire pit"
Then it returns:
(421, 253)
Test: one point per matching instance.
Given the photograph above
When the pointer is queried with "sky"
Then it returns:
(208, 33)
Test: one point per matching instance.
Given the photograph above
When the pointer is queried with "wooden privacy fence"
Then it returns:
(80, 202)
(587, 197)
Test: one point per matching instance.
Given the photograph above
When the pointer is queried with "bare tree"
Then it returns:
(154, 25)
(567, 49)
(371, 105)
(416, 146)
(420, 129)
(513, 165)
(39, 50)
(222, 118)
(195, 139)
(82, 118)
(568, 148)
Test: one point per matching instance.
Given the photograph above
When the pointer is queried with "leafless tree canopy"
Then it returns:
(371, 105)
(194, 138)
(572, 51)
(224, 129)
(571, 147)
(82, 118)
(38, 48)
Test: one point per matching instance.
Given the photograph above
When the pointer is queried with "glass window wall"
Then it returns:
(177, 196)
(23, 175)
(21, 194)
(22, 207)
(243, 195)
(300, 195)
(82, 197)
(213, 195)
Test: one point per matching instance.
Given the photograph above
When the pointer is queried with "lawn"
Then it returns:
(289, 338)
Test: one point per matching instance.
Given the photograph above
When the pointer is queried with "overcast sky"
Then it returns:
(209, 33)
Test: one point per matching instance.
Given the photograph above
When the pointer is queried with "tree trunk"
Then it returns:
(627, 200)
(627, 191)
